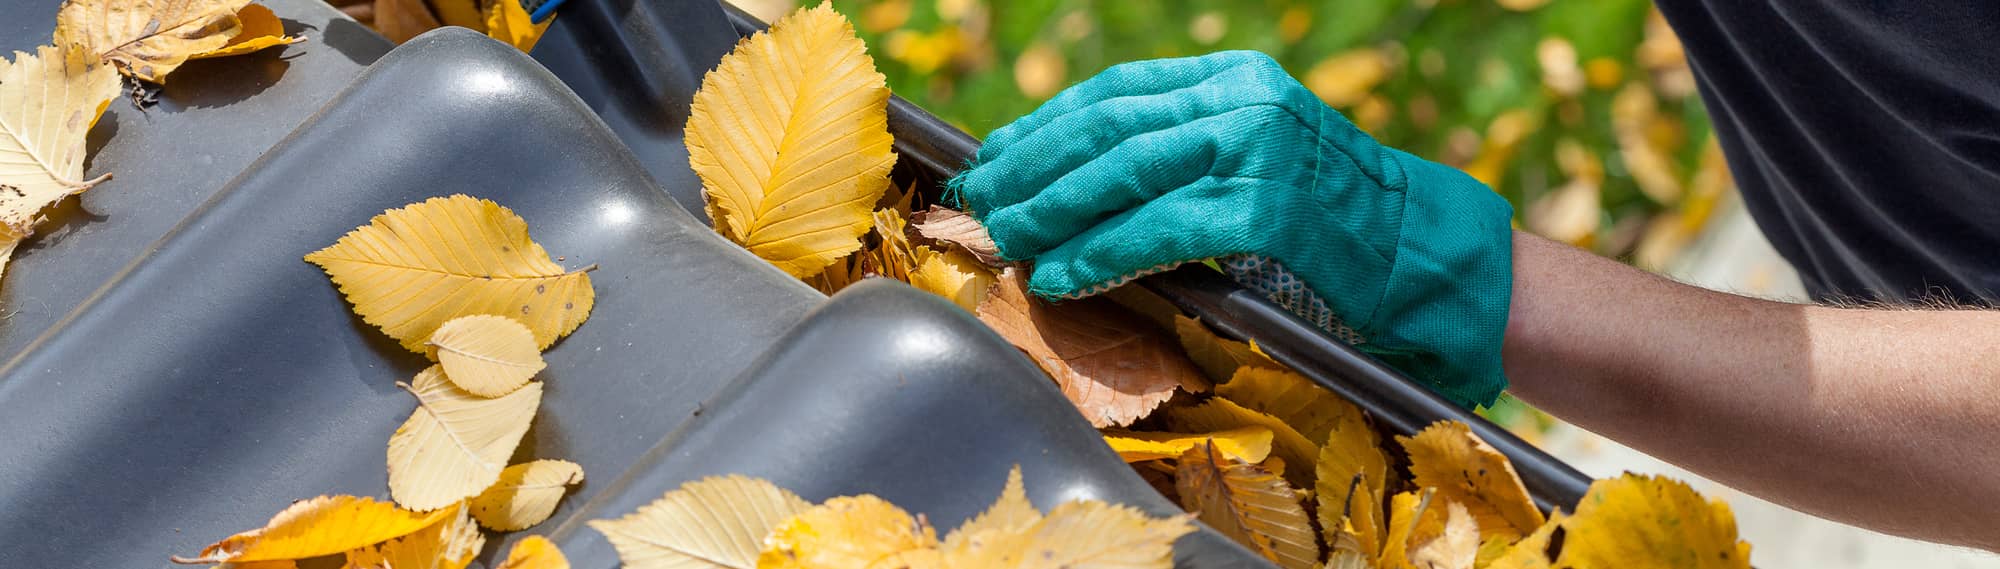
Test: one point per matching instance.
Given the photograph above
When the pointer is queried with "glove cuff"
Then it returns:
(1443, 313)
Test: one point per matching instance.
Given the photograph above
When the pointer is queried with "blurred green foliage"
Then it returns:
(1581, 112)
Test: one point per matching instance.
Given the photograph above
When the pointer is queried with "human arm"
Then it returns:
(1887, 419)
(1882, 418)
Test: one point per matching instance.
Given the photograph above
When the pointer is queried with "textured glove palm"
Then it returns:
(1156, 163)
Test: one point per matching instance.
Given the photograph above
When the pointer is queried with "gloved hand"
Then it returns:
(1152, 164)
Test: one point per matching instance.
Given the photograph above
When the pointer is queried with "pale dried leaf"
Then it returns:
(1249, 505)
(526, 494)
(319, 526)
(147, 39)
(962, 232)
(789, 134)
(534, 552)
(1456, 548)
(1466, 470)
(1076, 535)
(455, 443)
(486, 355)
(1115, 370)
(412, 269)
(846, 532)
(1249, 443)
(717, 522)
(48, 102)
(1221, 414)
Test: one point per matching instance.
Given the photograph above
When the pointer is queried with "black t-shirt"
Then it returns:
(1864, 135)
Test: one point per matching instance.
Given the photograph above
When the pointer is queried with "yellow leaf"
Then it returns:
(1218, 357)
(1490, 550)
(1351, 475)
(1531, 552)
(849, 532)
(461, 13)
(1114, 369)
(48, 102)
(534, 552)
(449, 544)
(1076, 535)
(526, 494)
(1249, 505)
(1040, 71)
(717, 522)
(840, 274)
(1456, 548)
(147, 39)
(1248, 444)
(319, 526)
(1647, 522)
(1221, 414)
(961, 231)
(1346, 552)
(1310, 409)
(400, 20)
(412, 269)
(895, 258)
(455, 443)
(790, 137)
(954, 275)
(1466, 470)
(486, 355)
(508, 22)
(1346, 78)
(1406, 510)
(1012, 512)
(261, 29)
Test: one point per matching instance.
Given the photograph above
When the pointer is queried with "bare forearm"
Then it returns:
(1889, 419)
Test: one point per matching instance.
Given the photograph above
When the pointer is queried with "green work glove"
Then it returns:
(1153, 164)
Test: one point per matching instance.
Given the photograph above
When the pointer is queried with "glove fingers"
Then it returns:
(1077, 138)
(1137, 78)
(1147, 166)
(1216, 217)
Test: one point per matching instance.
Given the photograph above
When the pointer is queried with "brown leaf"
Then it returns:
(1114, 368)
(1249, 505)
(400, 20)
(960, 230)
